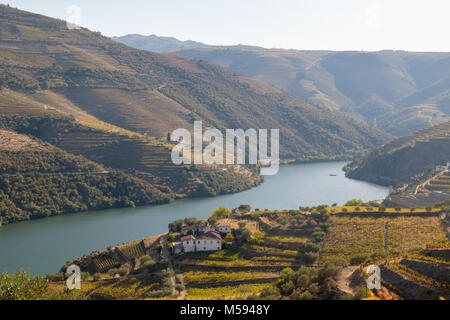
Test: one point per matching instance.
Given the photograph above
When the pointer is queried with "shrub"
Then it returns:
(97, 276)
(179, 287)
(355, 260)
(155, 294)
(353, 203)
(361, 294)
(55, 277)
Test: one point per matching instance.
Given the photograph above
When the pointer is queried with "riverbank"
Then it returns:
(42, 246)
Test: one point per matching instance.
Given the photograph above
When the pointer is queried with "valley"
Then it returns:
(89, 126)
(397, 91)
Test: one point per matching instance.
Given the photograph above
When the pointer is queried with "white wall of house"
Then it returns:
(208, 244)
(189, 245)
(224, 229)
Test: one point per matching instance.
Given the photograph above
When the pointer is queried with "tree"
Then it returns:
(353, 203)
(190, 221)
(179, 287)
(170, 237)
(246, 234)
(97, 276)
(21, 286)
(176, 225)
(229, 237)
(398, 209)
(245, 208)
(221, 212)
(429, 208)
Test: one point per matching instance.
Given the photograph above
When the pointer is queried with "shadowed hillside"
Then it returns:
(406, 159)
(411, 88)
(101, 82)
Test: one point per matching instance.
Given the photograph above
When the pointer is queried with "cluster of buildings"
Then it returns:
(443, 168)
(203, 236)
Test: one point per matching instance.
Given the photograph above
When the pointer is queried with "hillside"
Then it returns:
(101, 82)
(39, 180)
(405, 160)
(411, 88)
(155, 43)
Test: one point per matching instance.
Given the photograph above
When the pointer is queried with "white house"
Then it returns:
(184, 231)
(223, 228)
(188, 243)
(210, 241)
(203, 227)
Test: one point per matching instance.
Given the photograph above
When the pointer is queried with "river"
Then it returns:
(42, 246)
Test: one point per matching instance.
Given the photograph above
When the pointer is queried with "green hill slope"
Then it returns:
(406, 159)
(39, 180)
(100, 81)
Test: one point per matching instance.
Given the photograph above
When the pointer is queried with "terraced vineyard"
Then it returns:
(357, 238)
(117, 289)
(220, 276)
(105, 263)
(132, 250)
(439, 183)
(423, 275)
(238, 271)
(226, 292)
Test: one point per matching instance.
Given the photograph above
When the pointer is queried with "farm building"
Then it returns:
(210, 241)
(223, 228)
(188, 243)
(177, 247)
(185, 230)
(203, 227)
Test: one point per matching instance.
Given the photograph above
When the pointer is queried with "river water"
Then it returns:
(42, 246)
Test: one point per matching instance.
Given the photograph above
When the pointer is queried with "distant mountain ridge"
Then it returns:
(397, 91)
(155, 43)
(102, 82)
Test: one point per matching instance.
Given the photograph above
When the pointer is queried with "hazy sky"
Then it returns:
(300, 24)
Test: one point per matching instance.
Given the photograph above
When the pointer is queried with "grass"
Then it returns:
(270, 249)
(205, 277)
(226, 255)
(226, 292)
(237, 262)
(375, 209)
(287, 239)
